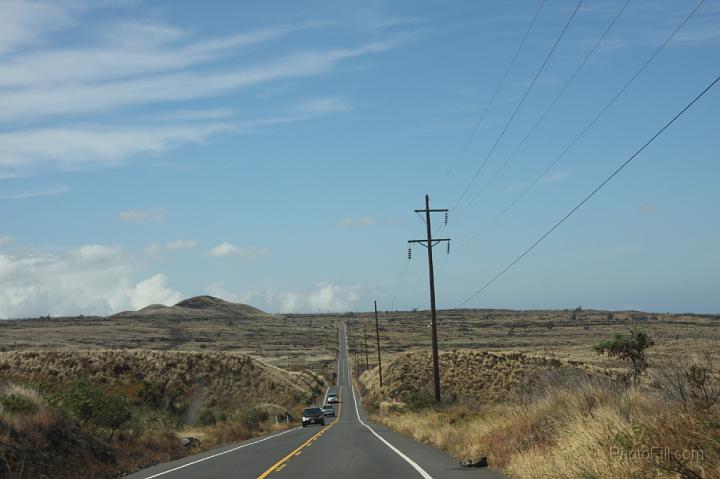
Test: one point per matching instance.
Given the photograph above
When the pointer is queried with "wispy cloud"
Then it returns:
(555, 177)
(365, 221)
(180, 244)
(48, 100)
(140, 63)
(25, 23)
(228, 249)
(49, 191)
(175, 245)
(143, 216)
(648, 208)
(6, 240)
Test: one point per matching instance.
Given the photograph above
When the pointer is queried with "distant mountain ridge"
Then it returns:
(194, 308)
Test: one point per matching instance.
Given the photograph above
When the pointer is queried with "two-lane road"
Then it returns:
(350, 447)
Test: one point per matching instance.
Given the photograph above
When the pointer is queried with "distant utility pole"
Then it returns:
(377, 336)
(429, 243)
(367, 360)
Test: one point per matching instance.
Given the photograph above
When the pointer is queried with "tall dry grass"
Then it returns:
(575, 426)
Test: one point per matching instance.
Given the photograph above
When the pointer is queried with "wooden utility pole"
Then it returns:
(367, 360)
(429, 243)
(377, 336)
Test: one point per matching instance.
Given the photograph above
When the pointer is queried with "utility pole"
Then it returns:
(367, 360)
(377, 336)
(429, 243)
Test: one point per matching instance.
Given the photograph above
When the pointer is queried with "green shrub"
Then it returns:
(91, 405)
(207, 417)
(417, 400)
(252, 418)
(14, 403)
(152, 394)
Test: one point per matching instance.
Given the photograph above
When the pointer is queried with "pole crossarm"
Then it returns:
(435, 241)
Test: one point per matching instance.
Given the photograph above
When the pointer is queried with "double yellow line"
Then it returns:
(280, 465)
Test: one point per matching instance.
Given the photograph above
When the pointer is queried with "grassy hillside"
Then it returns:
(471, 377)
(112, 411)
(198, 324)
(541, 418)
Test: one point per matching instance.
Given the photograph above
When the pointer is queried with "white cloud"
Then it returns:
(138, 216)
(364, 221)
(50, 99)
(324, 105)
(218, 290)
(133, 63)
(555, 177)
(50, 191)
(5, 240)
(152, 249)
(180, 244)
(228, 249)
(152, 291)
(26, 22)
(96, 253)
(92, 279)
(72, 148)
(324, 297)
(648, 208)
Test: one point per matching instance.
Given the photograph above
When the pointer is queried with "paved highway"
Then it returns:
(349, 447)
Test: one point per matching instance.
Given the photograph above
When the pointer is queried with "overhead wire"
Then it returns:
(517, 108)
(592, 193)
(587, 128)
(492, 98)
(554, 101)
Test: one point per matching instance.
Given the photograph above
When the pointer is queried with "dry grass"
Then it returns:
(212, 378)
(470, 376)
(562, 334)
(540, 418)
(290, 342)
(217, 397)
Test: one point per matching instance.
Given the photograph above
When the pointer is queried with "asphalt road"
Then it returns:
(350, 447)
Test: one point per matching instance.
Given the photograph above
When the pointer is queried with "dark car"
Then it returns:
(313, 415)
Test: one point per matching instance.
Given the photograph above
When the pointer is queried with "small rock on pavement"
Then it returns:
(481, 462)
(191, 442)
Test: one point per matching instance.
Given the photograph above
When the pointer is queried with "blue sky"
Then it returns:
(272, 153)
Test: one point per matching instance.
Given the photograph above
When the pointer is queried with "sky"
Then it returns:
(273, 153)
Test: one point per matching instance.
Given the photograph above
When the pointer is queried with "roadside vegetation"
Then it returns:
(537, 418)
(111, 412)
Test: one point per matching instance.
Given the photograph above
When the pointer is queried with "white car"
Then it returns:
(332, 398)
(328, 410)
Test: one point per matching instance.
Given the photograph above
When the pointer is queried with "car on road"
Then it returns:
(332, 398)
(313, 415)
(328, 410)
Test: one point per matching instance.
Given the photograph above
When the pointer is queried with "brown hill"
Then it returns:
(199, 307)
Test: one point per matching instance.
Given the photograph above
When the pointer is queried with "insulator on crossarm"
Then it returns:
(409, 253)
(448, 247)
(446, 218)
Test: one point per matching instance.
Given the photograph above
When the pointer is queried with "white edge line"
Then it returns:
(218, 454)
(415, 466)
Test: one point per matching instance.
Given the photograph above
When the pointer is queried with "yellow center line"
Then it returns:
(278, 466)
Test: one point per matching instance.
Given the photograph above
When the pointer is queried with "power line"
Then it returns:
(600, 186)
(401, 278)
(517, 108)
(554, 102)
(586, 129)
(492, 98)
